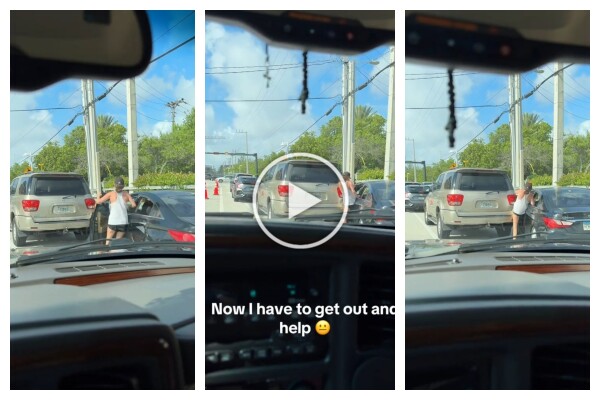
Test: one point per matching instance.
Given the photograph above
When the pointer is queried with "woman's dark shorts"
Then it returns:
(118, 228)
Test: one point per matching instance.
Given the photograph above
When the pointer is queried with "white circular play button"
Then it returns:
(296, 196)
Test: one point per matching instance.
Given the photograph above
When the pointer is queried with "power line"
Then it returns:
(374, 84)
(520, 99)
(552, 102)
(259, 100)
(168, 30)
(45, 109)
(351, 93)
(319, 62)
(173, 49)
(270, 69)
(441, 76)
(103, 95)
(43, 119)
(125, 104)
(446, 107)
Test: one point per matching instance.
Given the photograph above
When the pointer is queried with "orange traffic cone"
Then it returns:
(216, 191)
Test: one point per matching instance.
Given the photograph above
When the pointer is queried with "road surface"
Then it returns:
(415, 229)
(223, 202)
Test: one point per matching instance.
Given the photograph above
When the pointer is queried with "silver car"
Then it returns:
(44, 202)
(311, 176)
(469, 198)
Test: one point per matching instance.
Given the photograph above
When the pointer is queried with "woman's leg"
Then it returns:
(109, 235)
(515, 221)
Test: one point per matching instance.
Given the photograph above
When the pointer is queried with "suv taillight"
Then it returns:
(455, 199)
(340, 192)
(511, 199)
(30, 205)
(556, 224)
(283, 190)
(90, 203)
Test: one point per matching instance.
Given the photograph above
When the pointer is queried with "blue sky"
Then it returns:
(268, 123)
(170, 78)
(427, 87)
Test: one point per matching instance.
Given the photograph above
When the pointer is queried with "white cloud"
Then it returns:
(427, 127)
(268, 123)
(161, 127)
(584, 128)
(28, 130)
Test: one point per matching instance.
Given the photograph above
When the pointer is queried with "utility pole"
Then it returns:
(173, 105)
(557, 134)
(516, 133)
(345, 86)
(350, 147)
(246, 157)
(389, 165)
(414, 160)
(86, 125)
(96, 186)
(132, 138)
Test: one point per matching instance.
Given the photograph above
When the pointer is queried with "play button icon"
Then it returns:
(300, 201)
(297, 200)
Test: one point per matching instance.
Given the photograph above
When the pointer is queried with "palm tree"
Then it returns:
(530, 120)
(363, 112)
(105, 121)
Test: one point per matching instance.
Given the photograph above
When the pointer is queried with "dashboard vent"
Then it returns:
(564, 366)
(569, 258)
(376, 288)
(467, 376)
(101, 267)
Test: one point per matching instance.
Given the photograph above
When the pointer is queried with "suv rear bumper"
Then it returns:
(452, 218)
(27, 224)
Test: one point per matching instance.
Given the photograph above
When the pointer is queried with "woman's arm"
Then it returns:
(102, 199)
(131, 200)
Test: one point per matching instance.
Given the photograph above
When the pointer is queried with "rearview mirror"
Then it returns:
(48, 46)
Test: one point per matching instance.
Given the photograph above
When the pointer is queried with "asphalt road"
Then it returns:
(415, 229)
(223, 202)
(43, 243)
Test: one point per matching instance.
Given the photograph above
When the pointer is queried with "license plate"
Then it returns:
(586, 226)
(486, 204)
(64, 209)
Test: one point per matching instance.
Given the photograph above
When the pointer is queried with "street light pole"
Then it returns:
(414, 159)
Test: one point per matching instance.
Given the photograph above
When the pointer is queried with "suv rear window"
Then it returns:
(247, 180)
(59, 186)
(481, 181)
(417, 189)
(312, 173)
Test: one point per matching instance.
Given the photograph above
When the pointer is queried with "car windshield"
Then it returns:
(254, 120)
(478, 182)
(115, 139)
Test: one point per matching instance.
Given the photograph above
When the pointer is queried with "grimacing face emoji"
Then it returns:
(322, 327)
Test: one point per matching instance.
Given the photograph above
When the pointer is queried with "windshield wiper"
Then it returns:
(525, 242)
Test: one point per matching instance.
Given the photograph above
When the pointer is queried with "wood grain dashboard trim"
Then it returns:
(95, 279)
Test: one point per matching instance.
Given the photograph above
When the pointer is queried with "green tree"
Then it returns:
(18, 169)
(576, 153)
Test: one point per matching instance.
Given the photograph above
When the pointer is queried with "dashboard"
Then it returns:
(108, 324)
(498, 321)
(250, 351)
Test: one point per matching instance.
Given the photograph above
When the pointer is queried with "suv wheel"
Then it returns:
(504, 230)
(82, 234)
(442, 231)
(427, 221)
(18, 238)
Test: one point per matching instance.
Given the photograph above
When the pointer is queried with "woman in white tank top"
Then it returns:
(117, 220)
(524, 198)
